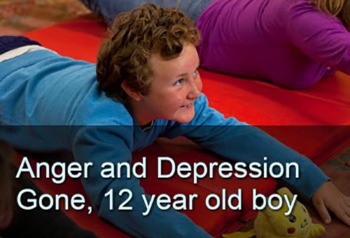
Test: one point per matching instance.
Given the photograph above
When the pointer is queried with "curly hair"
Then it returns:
(337, 8)
(135, 36)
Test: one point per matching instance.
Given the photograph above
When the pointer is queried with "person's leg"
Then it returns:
(6, 201)
(16, 222)
(8, 43)
(108, 9)
(38, 222)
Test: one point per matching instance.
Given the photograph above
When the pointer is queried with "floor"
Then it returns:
(20, 16)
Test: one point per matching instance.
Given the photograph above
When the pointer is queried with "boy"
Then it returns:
(147, 86)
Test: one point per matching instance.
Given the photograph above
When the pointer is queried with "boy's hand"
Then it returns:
(329, 197)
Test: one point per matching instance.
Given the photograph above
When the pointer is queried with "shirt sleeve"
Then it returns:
(113, 144)
(237, 141)
(319, 35)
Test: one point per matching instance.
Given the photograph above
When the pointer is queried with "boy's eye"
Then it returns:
(195, 74)
(179, 82)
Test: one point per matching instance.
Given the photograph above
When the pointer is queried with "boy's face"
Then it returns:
(175, 86)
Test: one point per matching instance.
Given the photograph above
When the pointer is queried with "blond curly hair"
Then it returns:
(134, 37)
(337, 8)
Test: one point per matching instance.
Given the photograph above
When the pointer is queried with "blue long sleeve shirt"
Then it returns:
(49, 102)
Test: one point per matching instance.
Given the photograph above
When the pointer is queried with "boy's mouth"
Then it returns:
(188, 105)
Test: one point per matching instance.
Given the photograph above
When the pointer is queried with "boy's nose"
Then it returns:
(196, 89)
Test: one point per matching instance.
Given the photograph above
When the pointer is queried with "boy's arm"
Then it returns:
(108, 144)
(237, 141)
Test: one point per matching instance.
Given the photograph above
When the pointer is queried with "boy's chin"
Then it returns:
(185, 119)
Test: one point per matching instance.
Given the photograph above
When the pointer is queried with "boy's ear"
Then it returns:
(137, 96)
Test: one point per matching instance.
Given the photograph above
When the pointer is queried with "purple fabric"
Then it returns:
(288, 42)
